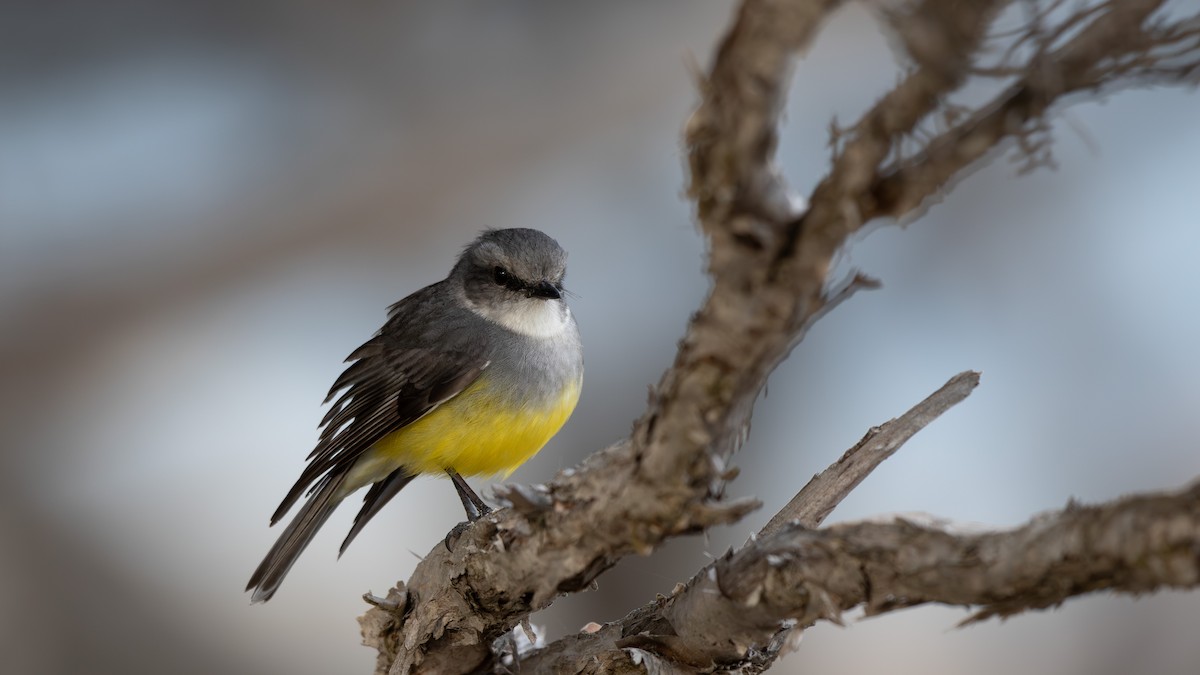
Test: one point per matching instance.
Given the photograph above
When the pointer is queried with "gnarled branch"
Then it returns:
(769, 264)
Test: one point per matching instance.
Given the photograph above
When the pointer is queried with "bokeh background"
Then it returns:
(205, 206)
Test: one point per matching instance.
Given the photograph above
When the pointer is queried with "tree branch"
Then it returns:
(1134, 545)
(769, 266)
(827, 489)
(795, 577)
(1119, 47)
(660, 482)
(689, 640)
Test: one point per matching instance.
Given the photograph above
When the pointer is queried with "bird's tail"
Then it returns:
(292, 542)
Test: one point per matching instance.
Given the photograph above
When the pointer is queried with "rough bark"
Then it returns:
(739, 613)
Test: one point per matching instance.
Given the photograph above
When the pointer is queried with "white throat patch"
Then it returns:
(535, 318)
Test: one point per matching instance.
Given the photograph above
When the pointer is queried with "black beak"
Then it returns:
(545, 289)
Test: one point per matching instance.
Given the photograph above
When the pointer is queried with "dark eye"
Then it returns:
(501, 276)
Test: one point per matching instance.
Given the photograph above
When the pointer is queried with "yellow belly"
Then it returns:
(474, 435)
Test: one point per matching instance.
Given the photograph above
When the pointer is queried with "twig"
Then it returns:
(1096, 58)
(827, 489)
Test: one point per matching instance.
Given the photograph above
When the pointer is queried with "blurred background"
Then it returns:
(205, 206)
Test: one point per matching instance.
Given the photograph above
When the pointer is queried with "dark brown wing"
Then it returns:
(388, 386)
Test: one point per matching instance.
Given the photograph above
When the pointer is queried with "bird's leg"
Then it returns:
(472, 503)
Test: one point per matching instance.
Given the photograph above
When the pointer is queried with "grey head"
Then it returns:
(514, 278)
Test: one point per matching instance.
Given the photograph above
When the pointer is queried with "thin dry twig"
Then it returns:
(827, 489)
(1116, 49)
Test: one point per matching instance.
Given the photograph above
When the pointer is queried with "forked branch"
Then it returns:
(770, 262)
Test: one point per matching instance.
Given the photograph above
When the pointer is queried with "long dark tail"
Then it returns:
(292, 542)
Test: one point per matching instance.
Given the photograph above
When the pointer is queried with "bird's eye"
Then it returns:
(501, 276)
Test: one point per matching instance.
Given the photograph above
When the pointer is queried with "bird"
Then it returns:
(471, 375)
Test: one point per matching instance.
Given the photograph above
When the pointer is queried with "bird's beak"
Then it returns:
(545, 289)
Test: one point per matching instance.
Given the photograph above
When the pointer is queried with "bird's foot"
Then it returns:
(455, 534)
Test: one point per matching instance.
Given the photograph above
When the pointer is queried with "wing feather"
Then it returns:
(388, 385)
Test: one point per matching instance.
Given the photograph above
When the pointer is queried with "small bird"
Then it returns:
(470, 376)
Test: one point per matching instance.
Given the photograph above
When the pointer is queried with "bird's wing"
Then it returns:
(388, 386)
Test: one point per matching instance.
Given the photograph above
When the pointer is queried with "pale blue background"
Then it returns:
(205, 207)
